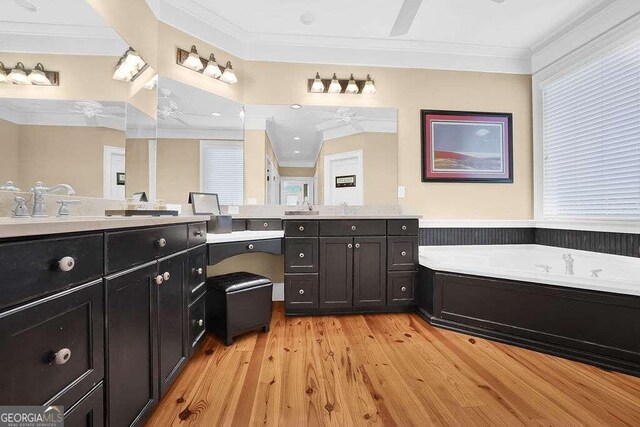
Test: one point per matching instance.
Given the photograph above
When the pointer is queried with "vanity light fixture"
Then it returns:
(152, 83)
(38, 77)
(369, 88)
(130, 66)
(18, 75)
(335, 86)
(3, 74)
(296, 106)
(209, 68)
(317, 86)
(352, 87)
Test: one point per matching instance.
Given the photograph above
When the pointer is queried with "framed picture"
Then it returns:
(120, 178)
(204, 203)
(463, 146)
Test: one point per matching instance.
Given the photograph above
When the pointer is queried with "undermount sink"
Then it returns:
(302, 213)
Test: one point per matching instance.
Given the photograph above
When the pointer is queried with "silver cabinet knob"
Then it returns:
(357, 245)
(62, 356)
(265, 225)
(159, 279)
(349, 245)
(199, 233)
(301, 255)
(199, 271)
(200, 322)
(403, 289)
(162, 242)
(250, 246)
(353, 228)
(301, 228)
(166, 276)
(404, 228)
(301, 291)
(66, 264)
(403, 253)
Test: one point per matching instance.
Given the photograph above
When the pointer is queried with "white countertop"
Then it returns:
(22, 227)
(243, 236)
(316, 217)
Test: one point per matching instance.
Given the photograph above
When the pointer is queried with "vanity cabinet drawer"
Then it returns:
(264, 224)
(197, 272)
(301, 255)
(300, 228)
(197, 234)
(238, 224)
(355, 227)
(402, 227)
(35, 268)
(300, 291)
(89, 412)
(52, 350)
(197, 325)
(129, 248)
(220, 251)
(403, 253)
(401, 287)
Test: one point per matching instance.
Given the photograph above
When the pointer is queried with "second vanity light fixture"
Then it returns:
(130, 66)
(209, 68)
(38, 76)
(335, 85)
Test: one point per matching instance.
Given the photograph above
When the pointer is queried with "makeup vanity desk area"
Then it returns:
(333, 264)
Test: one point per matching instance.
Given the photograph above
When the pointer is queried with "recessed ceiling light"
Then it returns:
(26, 5)
(297, 138)
(215, 114)
(308, 18)
(296, 106)
(296, 152)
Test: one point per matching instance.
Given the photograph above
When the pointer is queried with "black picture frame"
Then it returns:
(426, 147)
(120, 178)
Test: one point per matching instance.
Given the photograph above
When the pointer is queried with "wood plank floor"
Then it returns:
(388, 369)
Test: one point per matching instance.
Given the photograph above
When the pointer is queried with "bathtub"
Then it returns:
(538, 264)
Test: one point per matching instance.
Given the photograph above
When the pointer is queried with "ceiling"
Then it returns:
(456, 34)
(57, 26)
(313, 125)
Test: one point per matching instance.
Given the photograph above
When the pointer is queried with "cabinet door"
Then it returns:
(172, 329)
(336, 272)
(369, 271)
(132, 381)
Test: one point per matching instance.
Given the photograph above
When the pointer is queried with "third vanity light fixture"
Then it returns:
(209, 68)
(335, 85)
(38, 76)
(130, 66)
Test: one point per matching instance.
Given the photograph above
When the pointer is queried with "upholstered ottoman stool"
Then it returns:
(238, 303)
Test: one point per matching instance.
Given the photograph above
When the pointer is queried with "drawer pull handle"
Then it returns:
(403, 253)
(357, 245)
(199, 271)
(250, 246)
(265, 225)
(353, 228)
(166, 276)
(349, 245)
(62, 356)
(199, 233)
(403, 289)
(404, 228)
(162, 242)
(66, 264)
(301, 291)
(159, 279)
(200, 322)
(301, 228)
(301, 255)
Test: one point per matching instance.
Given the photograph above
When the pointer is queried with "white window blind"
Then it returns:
(591, 131)
(222, 170)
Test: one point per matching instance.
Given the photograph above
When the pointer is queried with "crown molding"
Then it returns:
(205, 24)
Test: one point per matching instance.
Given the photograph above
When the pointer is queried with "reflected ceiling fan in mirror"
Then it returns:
(92, 110)
(407, 14)
(168, 108)
(342, 116)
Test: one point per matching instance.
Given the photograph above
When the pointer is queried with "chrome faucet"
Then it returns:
(38, 197)
(568, 264)
(545, 267)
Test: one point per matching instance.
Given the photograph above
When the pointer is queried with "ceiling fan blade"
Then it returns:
(179, 120)
(405, 18)
(112, 109)
(357, 126)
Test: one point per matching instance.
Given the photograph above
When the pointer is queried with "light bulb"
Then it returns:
(17, 75)
(133, 61)
(37, 76)
(369, 88)
(229, 76)
(193, 60)
(152, 83)
(123, 71)
(3, 74)
(334, 87)
(212, 69)
(352, 87)
(317, 86)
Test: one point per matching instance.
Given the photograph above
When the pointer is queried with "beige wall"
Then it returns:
(65, 154)
(255, 174)
(178, 169)
(297, 172)
(137, 166)
(9, 145)
(380, 164)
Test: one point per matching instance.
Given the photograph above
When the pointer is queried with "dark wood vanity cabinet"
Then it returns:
(336, 272)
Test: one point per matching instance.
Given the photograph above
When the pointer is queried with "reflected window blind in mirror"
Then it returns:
(221, 169)
(591, 131)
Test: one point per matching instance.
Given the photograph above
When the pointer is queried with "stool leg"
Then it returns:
(228, 340)
(266, 328)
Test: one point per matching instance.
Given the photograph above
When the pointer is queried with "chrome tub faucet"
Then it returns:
(38, 197)
(568, 264)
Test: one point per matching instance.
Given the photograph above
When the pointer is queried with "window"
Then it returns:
(591, 139)
(222, 170)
